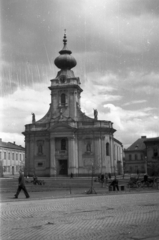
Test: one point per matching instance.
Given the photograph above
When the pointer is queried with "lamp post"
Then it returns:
(145, 164)
(91, 190)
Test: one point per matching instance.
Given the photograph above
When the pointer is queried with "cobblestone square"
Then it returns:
(120, 216)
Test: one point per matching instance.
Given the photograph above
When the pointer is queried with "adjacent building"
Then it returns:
(65, 140)
(142, 156)
(152, 155)
(12, 157)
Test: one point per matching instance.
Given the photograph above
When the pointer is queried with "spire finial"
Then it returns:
(64, 38)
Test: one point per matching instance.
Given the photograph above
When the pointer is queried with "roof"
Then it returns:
(118, 141)
(156, 139)
(138, 145)
(11, 146)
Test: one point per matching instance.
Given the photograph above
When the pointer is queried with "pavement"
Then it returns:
(60, 215)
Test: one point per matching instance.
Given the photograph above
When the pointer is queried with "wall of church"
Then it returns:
(92, 152)
(37, 156)
(118, 158)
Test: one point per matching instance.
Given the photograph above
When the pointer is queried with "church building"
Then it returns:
(65, 140)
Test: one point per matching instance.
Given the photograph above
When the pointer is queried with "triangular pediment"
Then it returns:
(62, 127)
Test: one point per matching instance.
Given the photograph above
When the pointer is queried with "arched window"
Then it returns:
(63, 99)
(63, 144)
(107, 149)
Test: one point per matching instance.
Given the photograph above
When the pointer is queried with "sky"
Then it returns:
(115, 44)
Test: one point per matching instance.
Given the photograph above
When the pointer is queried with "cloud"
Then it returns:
(131, 125)
(136, 7)
(16, 110)
(116, 44)
(134, 102)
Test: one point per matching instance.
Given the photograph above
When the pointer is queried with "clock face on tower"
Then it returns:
(62, 78)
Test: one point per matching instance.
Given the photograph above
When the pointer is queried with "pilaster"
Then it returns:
(72, 156)
(52, 157)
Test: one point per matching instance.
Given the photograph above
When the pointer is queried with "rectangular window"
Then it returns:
(16, 156)
(40, 164)
(129, 156)
(0, 155)
(12, 156)
(20, 157)
(9, 156)
(4, 155)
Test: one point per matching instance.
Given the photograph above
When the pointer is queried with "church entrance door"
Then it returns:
(63, 169)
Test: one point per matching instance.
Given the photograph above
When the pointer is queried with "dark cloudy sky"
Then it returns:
(116, 45)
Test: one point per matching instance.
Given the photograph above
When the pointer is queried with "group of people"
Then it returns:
(106, 178)
(102, 178)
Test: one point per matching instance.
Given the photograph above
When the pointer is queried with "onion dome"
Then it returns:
(65, 61)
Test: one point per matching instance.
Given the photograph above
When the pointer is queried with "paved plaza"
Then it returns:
(119, 216)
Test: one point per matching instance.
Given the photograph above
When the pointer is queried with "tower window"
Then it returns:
(63, 99)
(107, 149)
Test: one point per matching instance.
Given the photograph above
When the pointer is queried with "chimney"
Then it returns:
(143, 137)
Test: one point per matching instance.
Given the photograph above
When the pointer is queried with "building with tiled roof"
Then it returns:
(152, 152)
(142, 156)
(12, 157)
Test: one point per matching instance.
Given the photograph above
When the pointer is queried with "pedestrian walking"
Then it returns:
(102, 179)
(21, 185)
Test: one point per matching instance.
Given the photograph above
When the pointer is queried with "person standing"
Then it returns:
(21, 185)
(106, 178)
(114, 184)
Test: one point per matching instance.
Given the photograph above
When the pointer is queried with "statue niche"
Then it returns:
(40, 144)
(88, 147)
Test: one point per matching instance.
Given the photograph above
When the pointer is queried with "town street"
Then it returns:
(119, 216)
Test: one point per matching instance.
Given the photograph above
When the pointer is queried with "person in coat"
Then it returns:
(21, 186)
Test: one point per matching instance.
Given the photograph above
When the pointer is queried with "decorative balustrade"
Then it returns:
(61, 152)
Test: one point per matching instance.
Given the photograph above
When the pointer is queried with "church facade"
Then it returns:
(65, 140)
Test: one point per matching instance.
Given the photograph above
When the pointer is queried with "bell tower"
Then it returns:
(65, 88)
